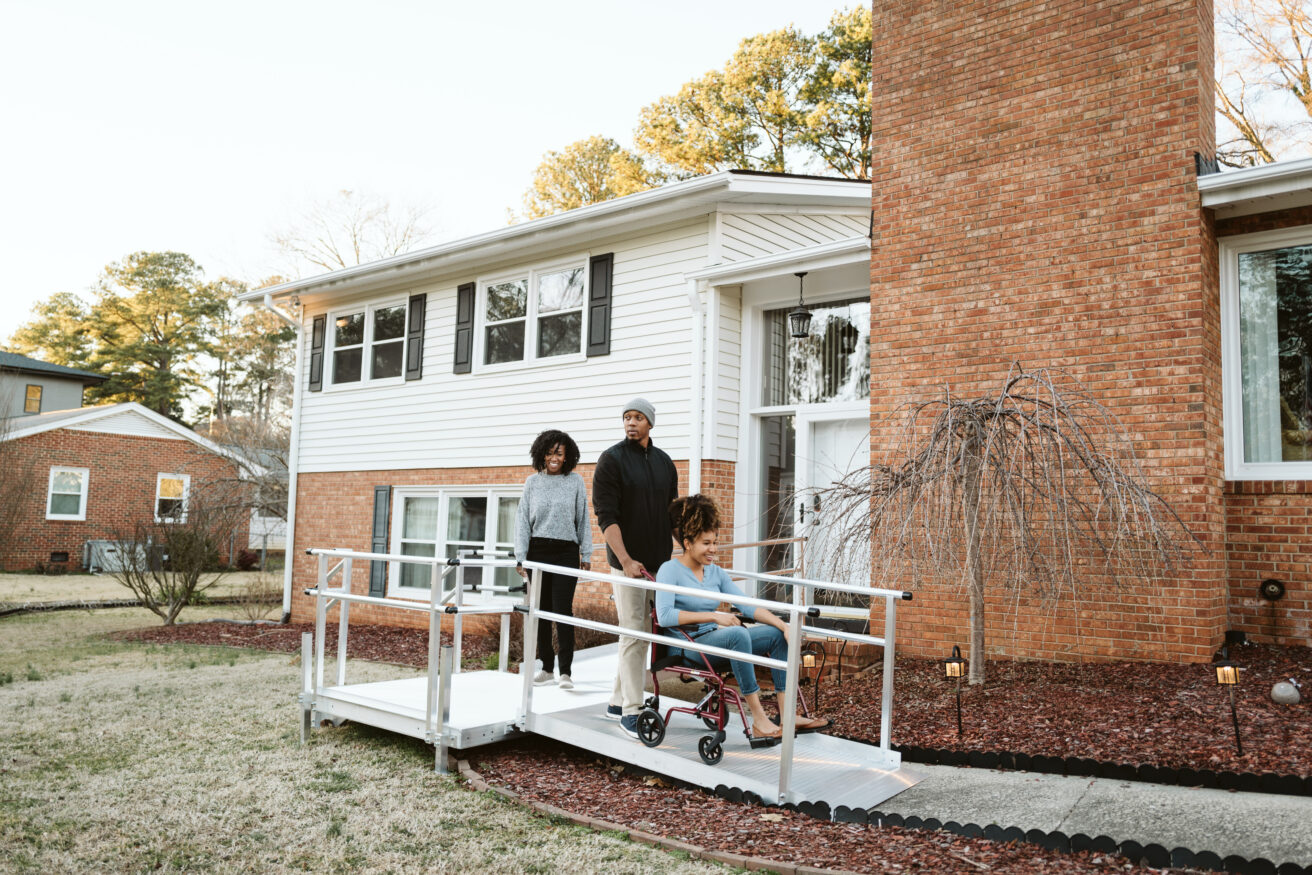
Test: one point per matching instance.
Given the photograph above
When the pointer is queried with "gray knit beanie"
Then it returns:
(643, 406)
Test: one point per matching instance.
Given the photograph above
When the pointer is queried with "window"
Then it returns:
(171, 497)
(32, 400)
(67, 494)
(1266, 296)
(534, 316)
(368, 343)
(832, 363)
(451, 523)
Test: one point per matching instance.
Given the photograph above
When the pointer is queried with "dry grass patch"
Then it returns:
(36, 588)
(128, 757)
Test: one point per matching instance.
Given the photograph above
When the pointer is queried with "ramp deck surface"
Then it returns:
(486, 707)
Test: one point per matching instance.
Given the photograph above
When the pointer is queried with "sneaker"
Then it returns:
(543, 677)
(566, 683)
(629, 725)
(614, 712)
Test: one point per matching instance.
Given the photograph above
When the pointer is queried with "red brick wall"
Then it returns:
(120, 490)
(335, 510)
(1034, 201)
(1269, 524)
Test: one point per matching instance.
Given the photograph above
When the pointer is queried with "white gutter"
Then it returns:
(1284, 183)
(696, 380)
(294, 323)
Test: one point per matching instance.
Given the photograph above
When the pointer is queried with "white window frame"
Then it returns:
(494, 494)
(81, 515)
(366, 346)
(531, 316)
(186, 497)
(1229, 250)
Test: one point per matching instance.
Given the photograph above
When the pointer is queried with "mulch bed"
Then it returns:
(1138, 713)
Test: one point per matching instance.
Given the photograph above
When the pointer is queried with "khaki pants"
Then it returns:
(633, 607)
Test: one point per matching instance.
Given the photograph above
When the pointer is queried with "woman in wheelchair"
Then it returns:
(695, 520)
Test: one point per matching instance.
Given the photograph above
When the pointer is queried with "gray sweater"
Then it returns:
(553, 506)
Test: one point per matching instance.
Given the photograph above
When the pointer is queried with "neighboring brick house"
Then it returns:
(94, 472)
(423, 379)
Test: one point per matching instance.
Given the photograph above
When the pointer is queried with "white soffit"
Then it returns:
(1262, 189)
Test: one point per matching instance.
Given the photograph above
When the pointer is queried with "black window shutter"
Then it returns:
(414, 338)
(378, 570)
(319, 328)
(464, 357)
(600, 271)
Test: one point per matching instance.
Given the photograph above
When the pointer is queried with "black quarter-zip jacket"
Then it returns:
(632, 487)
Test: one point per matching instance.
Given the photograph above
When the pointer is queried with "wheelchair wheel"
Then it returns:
(710, 750)
(651, 728)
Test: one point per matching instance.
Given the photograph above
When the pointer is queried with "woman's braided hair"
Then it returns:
(693, 515)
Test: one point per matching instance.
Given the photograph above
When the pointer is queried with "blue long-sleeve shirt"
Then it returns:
(715, 581)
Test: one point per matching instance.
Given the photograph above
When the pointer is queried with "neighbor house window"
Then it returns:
(32, 400)
(536, 315)
(453, 523)
(67, 496)
(171, 497)
(368, 343)
(1266, 289)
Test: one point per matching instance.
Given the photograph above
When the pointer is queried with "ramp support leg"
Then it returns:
(307, 685)
(444, 712)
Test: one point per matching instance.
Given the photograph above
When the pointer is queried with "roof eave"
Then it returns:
(1261, 189)
(691, 197)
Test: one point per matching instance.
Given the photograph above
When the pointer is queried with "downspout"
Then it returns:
(294, 452)
(696, 380)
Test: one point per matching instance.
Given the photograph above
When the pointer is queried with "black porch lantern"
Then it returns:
(954, 667)
(1227, 675)
(799, 320)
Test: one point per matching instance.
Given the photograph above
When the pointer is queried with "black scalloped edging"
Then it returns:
(1248, 782)
(1153, 855)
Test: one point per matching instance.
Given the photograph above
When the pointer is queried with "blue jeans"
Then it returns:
(756, 638)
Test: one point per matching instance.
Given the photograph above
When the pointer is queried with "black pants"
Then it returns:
(558, 597)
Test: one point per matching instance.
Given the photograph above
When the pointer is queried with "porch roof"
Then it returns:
(835, 253)
(1262, 189)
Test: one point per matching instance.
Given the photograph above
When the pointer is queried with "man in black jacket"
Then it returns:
(632, 488)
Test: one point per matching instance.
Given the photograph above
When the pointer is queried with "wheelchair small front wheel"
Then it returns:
(710, 750)
(651, 728)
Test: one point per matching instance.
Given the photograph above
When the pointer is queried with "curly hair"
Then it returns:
(544, 443)
(693, 515)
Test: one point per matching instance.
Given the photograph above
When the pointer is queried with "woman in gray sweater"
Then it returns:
(553, 527)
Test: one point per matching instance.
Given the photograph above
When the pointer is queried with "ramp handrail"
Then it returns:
(441, 657)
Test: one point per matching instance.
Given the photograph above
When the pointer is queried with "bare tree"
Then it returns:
(350, 229)
(1263, 80)
(1035, 490)
(165, 561)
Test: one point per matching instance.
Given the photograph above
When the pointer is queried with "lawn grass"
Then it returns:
(21, 589)
(123, 757)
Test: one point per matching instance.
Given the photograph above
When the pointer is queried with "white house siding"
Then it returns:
(489, 418)
(750, 235)
(727, 374)
(128, 423)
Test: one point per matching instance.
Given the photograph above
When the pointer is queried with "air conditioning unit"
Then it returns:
(111, 556)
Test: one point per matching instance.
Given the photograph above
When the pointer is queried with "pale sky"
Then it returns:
(203, 127)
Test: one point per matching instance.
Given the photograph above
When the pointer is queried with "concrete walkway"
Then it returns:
(1251, 825)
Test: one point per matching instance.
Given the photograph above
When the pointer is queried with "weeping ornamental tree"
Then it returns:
(1034, 491)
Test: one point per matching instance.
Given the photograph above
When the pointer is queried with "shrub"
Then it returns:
(247, 560)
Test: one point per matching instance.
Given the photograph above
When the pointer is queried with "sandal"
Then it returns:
(763, 738)
(814, 724)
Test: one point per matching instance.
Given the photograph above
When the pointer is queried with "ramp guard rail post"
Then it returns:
(441, 660)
